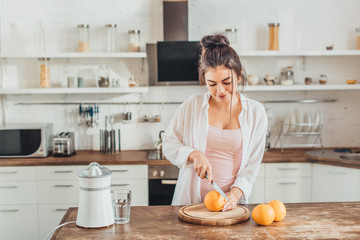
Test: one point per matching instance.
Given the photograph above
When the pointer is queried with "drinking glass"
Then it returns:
(121, 200)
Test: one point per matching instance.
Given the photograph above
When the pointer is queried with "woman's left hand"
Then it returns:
(233, 198)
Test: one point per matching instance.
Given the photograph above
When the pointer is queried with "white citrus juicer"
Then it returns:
(95, 205)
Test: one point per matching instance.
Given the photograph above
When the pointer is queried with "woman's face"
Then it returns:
(219, 83)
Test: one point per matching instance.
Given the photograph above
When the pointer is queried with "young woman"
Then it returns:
(221, 133)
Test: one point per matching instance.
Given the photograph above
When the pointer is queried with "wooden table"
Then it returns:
(303, 221)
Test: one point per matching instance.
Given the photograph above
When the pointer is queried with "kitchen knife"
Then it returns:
(217, 188)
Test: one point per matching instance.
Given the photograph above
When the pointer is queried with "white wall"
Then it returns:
(304, 25)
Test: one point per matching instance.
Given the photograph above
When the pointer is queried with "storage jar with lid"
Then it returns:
(83, 38)
(111, 37)
(132, 82)
(134, 40)
(231, 35)
(44, 72)
(287, 76)
(323, 79)
(103, 76)
(274, 36)
(357, 30)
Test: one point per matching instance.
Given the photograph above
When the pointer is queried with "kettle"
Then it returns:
(158, 147)
(95, 206)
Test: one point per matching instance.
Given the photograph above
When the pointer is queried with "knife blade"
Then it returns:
(217, 188)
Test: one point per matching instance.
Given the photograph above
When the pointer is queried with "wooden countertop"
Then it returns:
(303, 221)
(85, 157)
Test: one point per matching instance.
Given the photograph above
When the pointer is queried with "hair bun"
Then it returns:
(213, 41)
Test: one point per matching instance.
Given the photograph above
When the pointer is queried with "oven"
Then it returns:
(162, 181)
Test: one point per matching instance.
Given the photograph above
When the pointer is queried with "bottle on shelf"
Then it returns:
(103, 76)
(357, 46)
(231, 35)
(274, 36)
(287, 76)
(111, 37)
(83, 38)
(44, 72)
(134, 40)
(323, 79)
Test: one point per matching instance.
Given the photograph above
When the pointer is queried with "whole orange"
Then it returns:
(279, 209)
(214, 201)
(263, 214)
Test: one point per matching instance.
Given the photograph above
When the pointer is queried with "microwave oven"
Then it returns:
(173, 63)
(25, 140)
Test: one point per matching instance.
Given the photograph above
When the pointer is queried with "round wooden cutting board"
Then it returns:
(199, 214)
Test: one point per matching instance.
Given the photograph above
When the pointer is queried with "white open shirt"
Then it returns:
(188, 132)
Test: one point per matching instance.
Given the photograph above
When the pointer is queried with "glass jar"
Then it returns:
(357, 46)
(111, 37)
(274, 36)
(323, 79)
(287, 76)
(83, 38)
(132, 82)
(44, 72)
(231, 35)
(103, 76)
(134, 40)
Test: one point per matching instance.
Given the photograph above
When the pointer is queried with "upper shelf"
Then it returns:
(74, 90)
(299, 53)
(301, 87)
(76, 55)
(280, 53)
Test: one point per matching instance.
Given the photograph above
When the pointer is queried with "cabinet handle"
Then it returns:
(335, 172)
(12, 172)
(9, 210)
(63, 186)
(287, 168)
(61, 210)
(287, 183)
(119, 185)
(125, 170)
(8, 187)
(168, 182)
(63, 171)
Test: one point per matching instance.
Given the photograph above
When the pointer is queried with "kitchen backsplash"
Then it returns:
(305, 25)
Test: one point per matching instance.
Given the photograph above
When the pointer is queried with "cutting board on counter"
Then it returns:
(199, 214)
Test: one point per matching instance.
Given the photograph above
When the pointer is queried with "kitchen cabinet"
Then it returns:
(134, 178)
(18, 203)
(58, 189)
(288, 182)
(334, 184)
(258, 191)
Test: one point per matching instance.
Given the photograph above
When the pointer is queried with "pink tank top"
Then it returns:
(224, 151)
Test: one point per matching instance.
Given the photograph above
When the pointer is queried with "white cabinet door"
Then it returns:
(332, 183)
(59, 172)
(128, 171)
(50, 217)
(288, 189)
(18, 192)
(61, 191)
(17, 173)
(138, 187)
(258, 191)
(18, 222)
(288, 182)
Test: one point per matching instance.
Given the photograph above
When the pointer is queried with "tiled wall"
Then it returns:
(305, 25)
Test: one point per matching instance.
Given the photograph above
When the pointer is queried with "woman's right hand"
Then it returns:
(201, 164)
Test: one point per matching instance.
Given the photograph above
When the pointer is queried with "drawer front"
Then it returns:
(138, 187)
(288, 189)
(17, 173)
(18, 193)
(50, 217)
(59, 172)
(258, 191)
(58, 192)
(129, 171)
(18, 222)
(288, 170)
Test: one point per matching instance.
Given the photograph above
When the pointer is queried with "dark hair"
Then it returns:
(216, 51)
